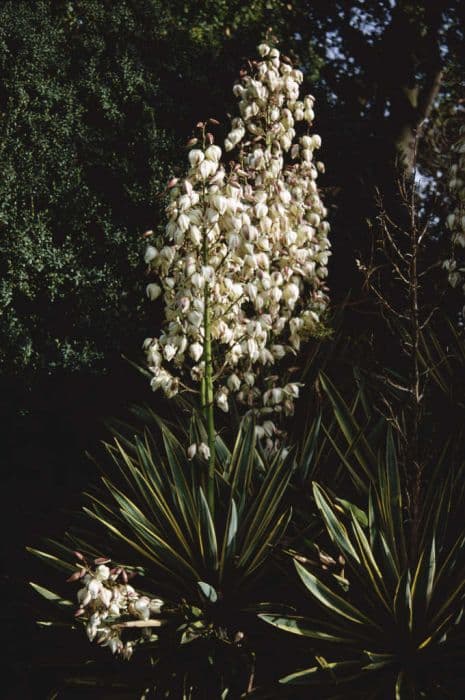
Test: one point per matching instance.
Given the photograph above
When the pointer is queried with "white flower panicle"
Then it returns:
(250, 241)
(455, 265)
(108, 605)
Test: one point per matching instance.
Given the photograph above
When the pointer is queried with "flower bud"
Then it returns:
(196, 351)
(233, 382)
(102, 572)
(222, 399)
(263, 50)
(213, 153)
(156, 605)
(150, 254)
(196, 156)
(153, 291)
(204, 451)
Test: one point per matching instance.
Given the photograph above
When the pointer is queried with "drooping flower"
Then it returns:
(246, 245)
(106, 600)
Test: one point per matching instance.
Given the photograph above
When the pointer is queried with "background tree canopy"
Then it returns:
(97, 99)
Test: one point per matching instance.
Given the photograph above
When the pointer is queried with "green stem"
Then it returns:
(209, 403)
(207, 382)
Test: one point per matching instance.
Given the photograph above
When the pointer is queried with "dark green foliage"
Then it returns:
(213, 569)
(387, 618)
(82, 160)
(388, 624)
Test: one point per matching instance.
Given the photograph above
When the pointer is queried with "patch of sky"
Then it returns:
(369, 25)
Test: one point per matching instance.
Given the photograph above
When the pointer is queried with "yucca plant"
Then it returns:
(385, 623)
(206, 568)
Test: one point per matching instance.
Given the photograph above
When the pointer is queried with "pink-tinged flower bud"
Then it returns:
(102, 560)
(76, 576)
